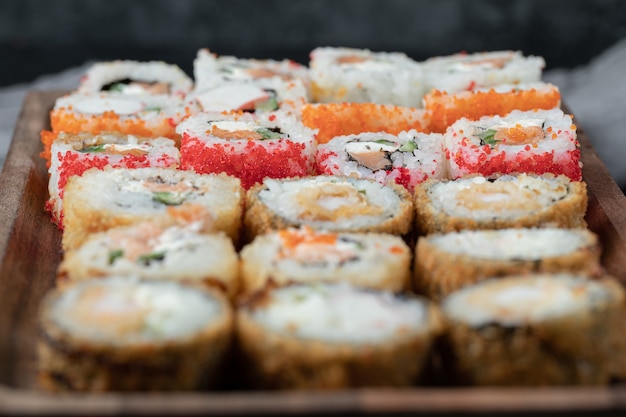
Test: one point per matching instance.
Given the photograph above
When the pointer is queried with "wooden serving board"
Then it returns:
(30, 253)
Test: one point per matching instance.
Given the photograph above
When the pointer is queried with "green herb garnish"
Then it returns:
(154, 108)
(364, 192)
(168, 198)
(149, 257)
(117, 87)
(487, 137)
(385, 142)
(268, 133)
(114, 254)
(93, 148)
(410, 146)
(270, 104)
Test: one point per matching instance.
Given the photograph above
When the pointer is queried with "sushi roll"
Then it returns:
(407, 158)
(447, 262)
(535, 141)
(508, 201)
(140, 115)
(136, 78)
(544, 329)
(125, 334)
(329, 336)
(211, 70)
(342, 119)
(446, 108)
(250, 147)
(150, 251)
(304, 255)
(73, 154)
(463, 71)
(336, 204)
(101, 199)
(341, 74)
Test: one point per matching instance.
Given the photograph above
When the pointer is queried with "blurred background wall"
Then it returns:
(38, 37)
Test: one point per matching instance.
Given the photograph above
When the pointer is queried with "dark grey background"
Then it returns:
(38, 36)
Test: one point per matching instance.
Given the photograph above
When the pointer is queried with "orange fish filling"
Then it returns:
(234, 134)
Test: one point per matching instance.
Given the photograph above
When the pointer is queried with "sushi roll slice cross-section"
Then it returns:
(126, 334)
(150, 251)
(534, 330)
(508, 201)
(338, 204)
(407, 158)
(340, 74)
(248, 147)
(101, 199)
(73, 154)
(535, 141)
(373, 260)
(447, 262)
(331, 336)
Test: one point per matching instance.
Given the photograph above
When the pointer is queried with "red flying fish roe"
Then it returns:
(285, 159)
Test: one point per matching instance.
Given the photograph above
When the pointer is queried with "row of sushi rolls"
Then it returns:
(365, 220)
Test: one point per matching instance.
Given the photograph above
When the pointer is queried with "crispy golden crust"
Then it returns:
(575, 349)
(277, 361)
(437, 272)
(259, 218)
(568, 212)
(69, 363)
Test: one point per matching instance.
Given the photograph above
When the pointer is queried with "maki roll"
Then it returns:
(446, 108)
(136, 78)
(359, 75)
(225, 83)
(101, 199)
(246, 146)
(73, 154)
(373, 260)
(535, 141)
(326, 336)
(447, 262)
(342, 119)
(140, 115)
(150, 251)
(124, 334)
(463, 71)
(407, 158)
(508, 201)
(337, 204)
(540, 329)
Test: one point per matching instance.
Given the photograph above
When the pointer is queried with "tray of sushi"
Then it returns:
(365, 233)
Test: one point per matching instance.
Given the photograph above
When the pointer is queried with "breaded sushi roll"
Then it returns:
(124, 334)
(211, 70)
(329, 336)
(446, 108)
(246, 146)
(407, 158)
(73, 154)
(151, 251)
(136, 78)
(336, 204)
(544, 329)
(506, 202)
(140, 115)
(341, 119)
(447, 262)
(534, 141)
(101, 199)
(341, 74)
(373, 260)
(463, 71)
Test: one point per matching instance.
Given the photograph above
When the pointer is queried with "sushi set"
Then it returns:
(304, 239)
